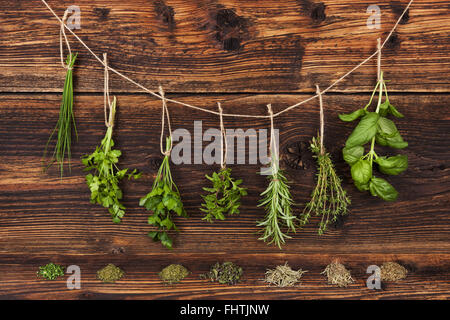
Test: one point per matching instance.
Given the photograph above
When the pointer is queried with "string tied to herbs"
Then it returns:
(108, 105)
(165, 115)
(328, 198)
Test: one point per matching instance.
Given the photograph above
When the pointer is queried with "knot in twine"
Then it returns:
(273, 149)
(165, 114)
(322, 121)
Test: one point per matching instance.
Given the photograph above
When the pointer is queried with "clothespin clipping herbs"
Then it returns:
(104, 182)
(224, 197)
(328, 199)
(277, 200)
(375, 127)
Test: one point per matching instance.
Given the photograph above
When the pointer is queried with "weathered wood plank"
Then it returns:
(39, 213)
(231, 46)
(427, 277)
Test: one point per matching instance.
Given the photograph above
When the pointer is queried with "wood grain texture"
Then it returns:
(39, 212)
(427, 277)
(227, 46)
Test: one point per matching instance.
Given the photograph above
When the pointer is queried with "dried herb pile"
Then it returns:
(337, 274)
(392, 271)
(50, 271)
(225, 273)
(110, 274)
(173, 273)
(283, 276)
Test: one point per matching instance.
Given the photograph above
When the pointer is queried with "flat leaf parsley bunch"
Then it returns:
(104, 183)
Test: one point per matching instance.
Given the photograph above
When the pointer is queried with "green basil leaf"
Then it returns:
(351, 155)
(392, 165)
(383, 189)
(362, 186)
(364, 131)
(352, 116)
(395, 112)
(396, 141)
(361, 171)
(386, 127)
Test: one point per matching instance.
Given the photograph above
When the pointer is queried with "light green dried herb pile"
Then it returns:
(173, 273)
(283, 276)
(225, 273)
(337, 274)
(50, 271)
(392, 271)
(110, 274)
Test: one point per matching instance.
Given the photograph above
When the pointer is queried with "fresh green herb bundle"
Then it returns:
(328, 199)
(164, 200)
(277, 201)
(375, 127)
(50, 271)
(224, 197)
(63, 127)
(104, 183)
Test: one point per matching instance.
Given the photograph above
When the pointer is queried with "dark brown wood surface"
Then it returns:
(284, 48)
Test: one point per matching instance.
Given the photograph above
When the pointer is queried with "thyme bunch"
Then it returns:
(277, 201)
(63, 127)
(328, 199)
(163, 200)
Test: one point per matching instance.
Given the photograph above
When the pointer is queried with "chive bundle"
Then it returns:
(64, 125)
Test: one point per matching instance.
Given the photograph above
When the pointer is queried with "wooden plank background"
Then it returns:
(245, 55)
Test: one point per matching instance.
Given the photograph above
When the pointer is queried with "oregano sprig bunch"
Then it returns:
(63, 128)
(328, 199)
(277, 201)
(375, 127)
(104, 182)
(224, 197)
(163, 200)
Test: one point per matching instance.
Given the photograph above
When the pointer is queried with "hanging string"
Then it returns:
(223, 140)
(273, 148)
(109, 121)
(228, 114)
(322, 121)
(379, 58)
(165, 114)
(62, 34)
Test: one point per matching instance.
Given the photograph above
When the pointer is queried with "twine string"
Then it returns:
(62, 34)
(165, 114)
(379, 59)
(273, 148)
(322, 120)
(229, 114)
(109, 121)
(223, 140)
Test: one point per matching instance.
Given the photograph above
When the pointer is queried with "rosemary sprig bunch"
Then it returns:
(63, 127)
(104, 183)
(224, 197)
(328, 199)
(277, 201)
(163, 200)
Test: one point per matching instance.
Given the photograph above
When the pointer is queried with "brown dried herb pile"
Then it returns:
(337, 274)
(110, 274)
(225, 273)
(392, 271)
(173, 273)
(283, 276)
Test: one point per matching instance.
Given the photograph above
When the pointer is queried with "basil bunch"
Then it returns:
(375, 127)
